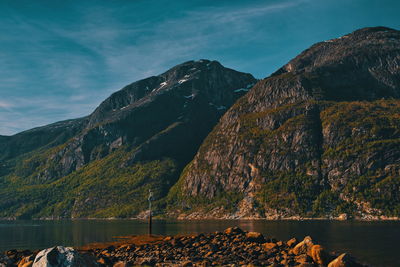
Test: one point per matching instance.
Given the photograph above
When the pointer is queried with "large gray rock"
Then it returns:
(59, 257)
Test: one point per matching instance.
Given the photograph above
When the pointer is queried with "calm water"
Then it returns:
(376, 243)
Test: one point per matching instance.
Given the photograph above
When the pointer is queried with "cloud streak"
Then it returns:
(59, 61)
(64, 71)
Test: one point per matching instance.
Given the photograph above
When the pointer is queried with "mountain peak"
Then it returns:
(187, 79)
(371, 30)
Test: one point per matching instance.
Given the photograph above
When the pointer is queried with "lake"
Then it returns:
(376, 243)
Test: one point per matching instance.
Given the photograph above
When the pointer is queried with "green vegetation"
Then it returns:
(101, 189)
(357, 136)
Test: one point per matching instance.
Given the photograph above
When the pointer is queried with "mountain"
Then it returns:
(319, 137)
(139, 138)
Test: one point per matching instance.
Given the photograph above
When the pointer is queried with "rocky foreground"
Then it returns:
(233, 247)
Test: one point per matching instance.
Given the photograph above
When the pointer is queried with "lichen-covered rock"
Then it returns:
(59, 257)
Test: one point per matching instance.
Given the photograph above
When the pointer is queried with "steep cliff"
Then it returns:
(319, 137)
(139, 138)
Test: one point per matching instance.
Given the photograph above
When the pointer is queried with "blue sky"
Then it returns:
(60, 59)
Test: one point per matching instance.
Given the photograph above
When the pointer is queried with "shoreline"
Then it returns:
(231, 247)
(386, 219)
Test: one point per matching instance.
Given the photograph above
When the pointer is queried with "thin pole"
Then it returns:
(150, 224)
(150, 215)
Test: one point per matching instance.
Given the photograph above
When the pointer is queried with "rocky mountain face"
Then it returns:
(319, 137)
(139, 138)
(46, 136)
(152, 115)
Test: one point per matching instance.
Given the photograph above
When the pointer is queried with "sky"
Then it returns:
(60, 59)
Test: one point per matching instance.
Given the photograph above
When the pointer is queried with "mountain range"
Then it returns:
(320, 137)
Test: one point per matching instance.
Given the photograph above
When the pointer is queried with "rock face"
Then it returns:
(153, 115)
(319, 137)
(139, 138)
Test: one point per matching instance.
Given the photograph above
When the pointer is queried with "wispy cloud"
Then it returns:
(5, 105)
(65, 70)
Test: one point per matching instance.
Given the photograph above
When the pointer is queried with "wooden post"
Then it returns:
(150, 198)
(150, 224)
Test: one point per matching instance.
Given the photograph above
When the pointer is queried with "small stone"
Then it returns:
(187, 264)
(208, 254)
(121, 264)
(303, 258)
(269, 246)
(168, 238)
(104, 261)
(343, 217)
(306, 264)
(28, 263)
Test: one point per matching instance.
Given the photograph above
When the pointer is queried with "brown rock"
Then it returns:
(304, 246)
(168, 238)
(233, 230)
(106, 253)
(187, 264)
(319, 255)
(344, 260)
(208, 254)
(255, 237)
(303, 258)
(25, 262)
(22, 262)
(292, 242)
(103, 261)
(269, 246)
(120, 264)
(343, 217)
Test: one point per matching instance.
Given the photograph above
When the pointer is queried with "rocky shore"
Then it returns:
(233, 247)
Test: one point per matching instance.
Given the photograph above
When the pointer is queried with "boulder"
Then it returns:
(303, 258)
(233, 230)
(304, 246)
(319, 255)
(255, 237)
(121, 264)
(344, 260)
(269, 246)
(26, 261)
(291, 243)
(59, 257)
